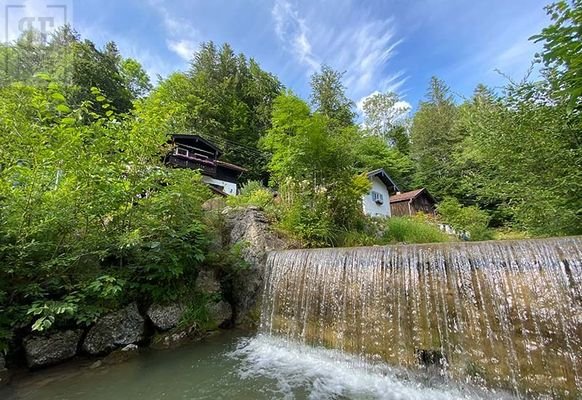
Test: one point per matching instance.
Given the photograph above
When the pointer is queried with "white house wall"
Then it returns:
(370, 206)
(228, 187)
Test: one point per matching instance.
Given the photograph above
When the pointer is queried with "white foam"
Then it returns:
(330, 374)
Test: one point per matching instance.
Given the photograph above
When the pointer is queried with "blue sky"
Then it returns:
(381, 45)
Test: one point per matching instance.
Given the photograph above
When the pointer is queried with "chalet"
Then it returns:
(377, 202)
(195, 152)
(410, 203)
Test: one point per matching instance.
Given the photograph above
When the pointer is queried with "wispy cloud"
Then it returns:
(183, 38)
(362, 48)
(292, 31)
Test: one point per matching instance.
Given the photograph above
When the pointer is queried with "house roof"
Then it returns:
(198, 139)
(233, 167)
(383, 176)
(410, 195)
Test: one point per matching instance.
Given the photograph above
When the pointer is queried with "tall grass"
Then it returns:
(412, 230)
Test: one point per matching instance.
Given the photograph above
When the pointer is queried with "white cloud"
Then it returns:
(362, 47)
(183, 38)
(184, 48)
(293, 32)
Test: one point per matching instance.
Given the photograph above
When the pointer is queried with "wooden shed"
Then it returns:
(410, 203)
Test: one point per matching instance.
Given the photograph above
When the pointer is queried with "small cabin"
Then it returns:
(410, 203)
(376, 202)
(196, 152)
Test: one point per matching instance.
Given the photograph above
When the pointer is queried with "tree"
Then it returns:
(328, 96)
(385, 113)
(434, 138)
(562, 47)
(135, 78)
(224, 97)
(372, 152)
(522, 157)
(314, 169)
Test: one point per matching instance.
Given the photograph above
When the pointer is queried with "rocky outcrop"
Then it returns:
(46, 350)
(115, 330)
(207, 282)
(251, 227)
(220, 313)
(165, 317)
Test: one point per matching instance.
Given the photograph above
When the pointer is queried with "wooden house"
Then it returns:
(195, 152)
(410, 203)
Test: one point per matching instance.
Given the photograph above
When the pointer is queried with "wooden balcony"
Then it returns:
(206, 167)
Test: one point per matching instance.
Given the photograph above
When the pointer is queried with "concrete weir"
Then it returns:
(500, 314)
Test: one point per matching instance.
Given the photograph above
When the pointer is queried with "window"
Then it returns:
(181, 152)
(378, 198)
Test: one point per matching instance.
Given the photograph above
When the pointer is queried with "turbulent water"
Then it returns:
(231, 366)
(498, 314)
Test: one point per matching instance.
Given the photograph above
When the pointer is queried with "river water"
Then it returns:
(234, 365)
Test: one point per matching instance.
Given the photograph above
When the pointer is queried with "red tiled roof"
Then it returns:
(405, 196)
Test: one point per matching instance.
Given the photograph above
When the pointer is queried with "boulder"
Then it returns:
(251, 227)
(220, 313)
(115, 330)
(165, 317)
(47, 350)
(207, 282)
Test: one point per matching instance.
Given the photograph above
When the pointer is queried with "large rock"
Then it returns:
(47, 350)
(220, 313)
(115, 330)
(251, 227)
(165, 317)
(207, 282)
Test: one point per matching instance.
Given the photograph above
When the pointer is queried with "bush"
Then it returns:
(252, 193)
(412, 230)
(469, 219)
(90, 217)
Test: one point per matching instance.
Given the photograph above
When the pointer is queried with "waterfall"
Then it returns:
(502, 314)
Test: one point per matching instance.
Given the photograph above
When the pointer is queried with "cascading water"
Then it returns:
(501, 314)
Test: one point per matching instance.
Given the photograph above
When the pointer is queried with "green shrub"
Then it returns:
(90, 217)
(470, 219)
(198, 313)
(412, 230)
(252, 193)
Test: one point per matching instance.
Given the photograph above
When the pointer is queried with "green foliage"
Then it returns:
(434, 138)
(522, 158)
(224, 97)
(372, 152)
(77, 66)
(469, 219)
(562, 48)
(90, 218)
(252, 193)
(328, 97)
(384, 116)
(412, 230)
(314, 170)
(198, 313)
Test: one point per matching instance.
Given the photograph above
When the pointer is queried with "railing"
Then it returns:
(206, 167)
